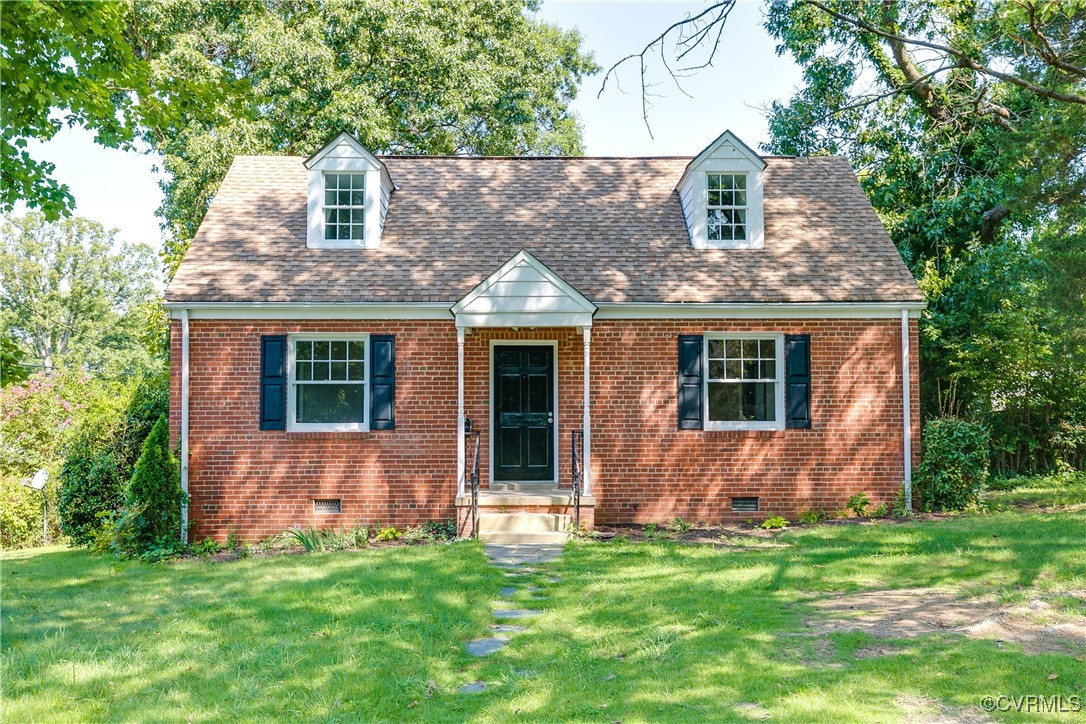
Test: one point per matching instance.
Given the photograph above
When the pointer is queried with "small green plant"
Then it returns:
(650, 530)
(389, 533)
(206, 547)
(774, 522)
(232, 542)
(581, 531)
(360, 536)
(162, 549)
(680, 526)
(858, 504)
(881, 510)
(309, 538)
(811, 516)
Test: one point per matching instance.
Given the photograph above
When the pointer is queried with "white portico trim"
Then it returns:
(522, 292)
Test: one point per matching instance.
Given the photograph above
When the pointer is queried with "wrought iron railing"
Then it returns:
(471, 442)
(577, 455)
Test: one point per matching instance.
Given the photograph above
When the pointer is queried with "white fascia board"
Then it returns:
(525, 319)
(811, 310)
(726, 137)
(315, 310)
(361, 150)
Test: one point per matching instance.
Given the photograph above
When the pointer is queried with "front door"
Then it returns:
(523, 413)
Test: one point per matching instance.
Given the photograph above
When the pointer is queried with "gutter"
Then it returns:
(185, 423)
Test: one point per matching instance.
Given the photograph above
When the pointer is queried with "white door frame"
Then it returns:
(490, 411)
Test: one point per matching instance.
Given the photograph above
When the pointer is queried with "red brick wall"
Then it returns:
(644, 469)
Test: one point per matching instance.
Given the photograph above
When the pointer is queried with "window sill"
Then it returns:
(327, 428)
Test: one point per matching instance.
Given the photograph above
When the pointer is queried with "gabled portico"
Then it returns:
(523, 294)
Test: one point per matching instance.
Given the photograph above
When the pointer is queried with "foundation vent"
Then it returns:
(745, 505)
(328, 505)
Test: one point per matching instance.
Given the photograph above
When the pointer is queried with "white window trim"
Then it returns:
(777, 424)
(745, 208)
(292, 424)
(338, 207)
(371, 227)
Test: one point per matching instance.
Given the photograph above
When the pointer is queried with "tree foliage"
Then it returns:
(967, 124)
(457, 77)
(73, 296)
(62, 63)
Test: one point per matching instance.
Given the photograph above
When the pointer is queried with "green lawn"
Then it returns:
(631, 631)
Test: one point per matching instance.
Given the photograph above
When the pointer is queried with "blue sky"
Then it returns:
(120, 188)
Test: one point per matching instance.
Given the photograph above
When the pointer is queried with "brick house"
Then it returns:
(717, 337)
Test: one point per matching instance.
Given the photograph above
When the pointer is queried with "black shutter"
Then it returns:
(690, 379)
(273, 382)
(382, 382)
(797, 380)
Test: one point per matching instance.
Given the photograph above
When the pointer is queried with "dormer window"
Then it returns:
(349, 193)
(727, 206)
(344, 205)
(721, 193)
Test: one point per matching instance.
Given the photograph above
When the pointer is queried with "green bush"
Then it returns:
(954, 464)
(152, 514)
(101, 458)
(20, 514)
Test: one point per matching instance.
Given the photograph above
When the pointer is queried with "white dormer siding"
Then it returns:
(738, 214)
(354, 167)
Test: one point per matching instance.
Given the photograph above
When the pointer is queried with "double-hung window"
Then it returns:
(727, 206)
(329, 383)
(344, 206)
(744, 387)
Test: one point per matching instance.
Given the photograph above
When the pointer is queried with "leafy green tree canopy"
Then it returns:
(71, 295)
(452, 77)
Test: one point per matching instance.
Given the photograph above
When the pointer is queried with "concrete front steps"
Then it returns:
(523, 513)
(524, 528)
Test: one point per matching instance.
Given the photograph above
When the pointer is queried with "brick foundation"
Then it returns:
(643, 468)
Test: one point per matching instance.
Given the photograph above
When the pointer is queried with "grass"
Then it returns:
(1042, 491)
(632, 631)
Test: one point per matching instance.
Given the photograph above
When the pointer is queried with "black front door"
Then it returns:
(523, 413)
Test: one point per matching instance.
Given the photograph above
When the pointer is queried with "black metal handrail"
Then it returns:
(473, 478)
(577, 455)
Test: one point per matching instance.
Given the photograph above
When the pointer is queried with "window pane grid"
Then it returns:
(742, 380)
(329, 381)
(727, 206)
(344, 205)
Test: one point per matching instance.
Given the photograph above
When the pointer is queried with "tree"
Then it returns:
(153, 500)
(62, 63)
(967, 125)
(72, 296)
(455, 77)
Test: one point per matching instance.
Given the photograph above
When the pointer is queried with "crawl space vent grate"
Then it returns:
(745, 505)
(327, 506)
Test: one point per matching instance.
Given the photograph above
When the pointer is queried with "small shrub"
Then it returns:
(650, 530)
(774, 522)
(360, 536)
(811, 516)
(389, 533)
(858, 504)
(881, 511)
(440, 530)
(206, 547)
(232, 542)
(899, 509)
(162, 549)
(954, 465)
(102, 537)
(680, 526)
(20, 514)
(154, 498)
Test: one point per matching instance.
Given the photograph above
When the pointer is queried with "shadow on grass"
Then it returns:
(658, 631)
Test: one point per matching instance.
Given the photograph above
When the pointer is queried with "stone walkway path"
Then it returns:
(516, 558)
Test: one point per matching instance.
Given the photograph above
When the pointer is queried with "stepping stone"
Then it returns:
(505, 628)
(485, 647)
(515, 613)
(475, 687)
(508, 591)
(534, 589)
(554, 580)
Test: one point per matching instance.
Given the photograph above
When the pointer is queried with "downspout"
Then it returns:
(185, 423)
(461, 452)
(906, 411)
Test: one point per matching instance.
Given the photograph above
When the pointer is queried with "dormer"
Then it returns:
(721, 195)
(349, 190)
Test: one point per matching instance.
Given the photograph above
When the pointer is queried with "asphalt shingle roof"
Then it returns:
(611, 227)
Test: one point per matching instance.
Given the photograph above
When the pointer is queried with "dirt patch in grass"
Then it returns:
(925, 710)
(1037, 626)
